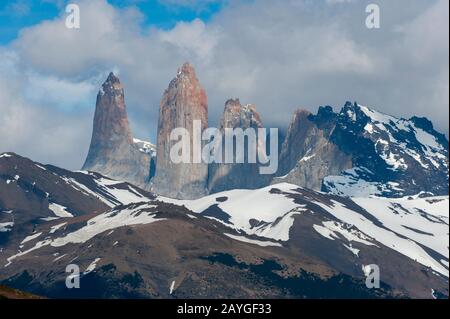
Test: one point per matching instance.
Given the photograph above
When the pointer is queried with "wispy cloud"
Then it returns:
(278, 55)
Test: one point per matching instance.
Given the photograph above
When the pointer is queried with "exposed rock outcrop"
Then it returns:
(354, 152)
(391, 156)
(225, 176)
(361, 152)
(113, 152)
(307, 155)
(183, 102)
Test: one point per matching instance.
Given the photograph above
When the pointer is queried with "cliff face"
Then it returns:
(392, 157)
(307, 155)
(226, 176)
(354, 152)
(183, 102)
(113, 152)
(361, 152)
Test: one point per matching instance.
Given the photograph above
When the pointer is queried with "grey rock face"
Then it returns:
(113, 152)
(307, 155)
(361, 152)
(391, 156)
(225, 176)
(183, 102)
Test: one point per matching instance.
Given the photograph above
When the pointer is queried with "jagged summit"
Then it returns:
(112, 78)
(113, 151)
(384, 155)
(237, 115)
(226, 176)
(183, 102)
(186, 69)
(185, 75)
(354, 151)
(111, 87)
(50, 217)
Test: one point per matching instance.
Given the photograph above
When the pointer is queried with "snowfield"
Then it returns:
(412, 226)
(415, 227)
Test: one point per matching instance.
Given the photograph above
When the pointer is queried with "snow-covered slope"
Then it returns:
(145, 147)
(414, 227)
(48, 214)
(392, 157)
(345, 233)
(362, 152)
(109, 191)
(32, 193)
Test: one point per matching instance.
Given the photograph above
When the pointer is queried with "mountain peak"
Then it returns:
(183, 102)
(112, 78)
(301, 112)
(237, 115)
(349, 104)
(232, 102)
(112, 151)
(111, 86)
(423, 123)
(186, 69)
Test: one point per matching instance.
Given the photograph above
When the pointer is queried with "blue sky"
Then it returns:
(278, 55)
(18, 14)
(15, 15)
(165, 16)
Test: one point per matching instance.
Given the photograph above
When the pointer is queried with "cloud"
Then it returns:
(60, 93)
(338, 1)
(35, 130)
(278, 55)
(100, 40)
(191, 38)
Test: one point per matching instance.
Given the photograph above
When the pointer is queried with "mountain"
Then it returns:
(226, 176)
(281, 241)
(113, 151)
(354, 188)
(362, 152)
(308, 155)
(9, 293)
(32, 194)
(354, 152)
(183, 102)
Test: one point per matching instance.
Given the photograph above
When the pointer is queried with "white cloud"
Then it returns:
(338, 1)
(193, 39)
(32, 128)
(278, 55)
(60, 93)
(104, 36)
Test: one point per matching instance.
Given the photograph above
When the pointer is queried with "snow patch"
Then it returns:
(56, 227)
(91, 266)
(354, 251)
(59, 210)
(31, 237)
(253, 241)
(105, 222)
(6, 227)
(145, 147)
(274, 211)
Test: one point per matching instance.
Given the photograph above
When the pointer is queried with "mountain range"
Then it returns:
(354, 188)
(354, 152)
